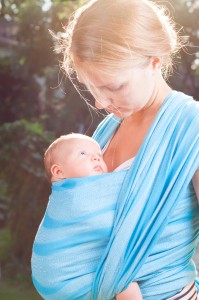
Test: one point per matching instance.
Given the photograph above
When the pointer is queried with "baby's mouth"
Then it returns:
(98, 168)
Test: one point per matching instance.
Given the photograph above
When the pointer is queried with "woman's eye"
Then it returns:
(115, 89)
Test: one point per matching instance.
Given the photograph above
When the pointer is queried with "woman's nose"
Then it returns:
(101, 104)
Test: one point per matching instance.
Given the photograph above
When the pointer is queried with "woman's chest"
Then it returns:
(125, 144)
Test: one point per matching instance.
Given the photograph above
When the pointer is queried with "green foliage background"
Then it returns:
(38, 104)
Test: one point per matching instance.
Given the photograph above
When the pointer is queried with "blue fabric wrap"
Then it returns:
(100, 233)
(156, 226)
(73, 234)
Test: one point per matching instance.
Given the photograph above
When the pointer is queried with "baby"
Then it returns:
(74, 156)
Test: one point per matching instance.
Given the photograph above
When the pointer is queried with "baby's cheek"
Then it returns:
(104, 167)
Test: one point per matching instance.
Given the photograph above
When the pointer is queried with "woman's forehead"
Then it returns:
(99, 78)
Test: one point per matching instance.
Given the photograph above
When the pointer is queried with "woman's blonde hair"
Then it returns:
(115, 34)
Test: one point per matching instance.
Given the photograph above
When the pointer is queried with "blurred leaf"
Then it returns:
(5, 243)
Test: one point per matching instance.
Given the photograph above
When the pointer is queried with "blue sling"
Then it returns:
(73, 234)
(93, 242)
(159, 175)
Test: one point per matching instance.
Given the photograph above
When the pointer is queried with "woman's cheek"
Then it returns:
(125, 96)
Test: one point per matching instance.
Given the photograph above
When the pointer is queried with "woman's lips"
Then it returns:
(113, 109)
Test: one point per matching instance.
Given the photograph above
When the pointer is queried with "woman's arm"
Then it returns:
(131, 293)
(196, 183)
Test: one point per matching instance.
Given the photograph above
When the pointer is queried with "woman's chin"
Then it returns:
(123, 114)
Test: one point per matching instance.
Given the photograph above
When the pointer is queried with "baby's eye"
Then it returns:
(83, 153)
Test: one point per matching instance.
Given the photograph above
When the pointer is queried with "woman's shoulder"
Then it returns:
(185, 107)
(185, 99)
(106, 128)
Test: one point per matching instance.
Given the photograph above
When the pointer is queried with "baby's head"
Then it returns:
(73, 155)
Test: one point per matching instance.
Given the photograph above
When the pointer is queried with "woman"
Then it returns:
(122, 51)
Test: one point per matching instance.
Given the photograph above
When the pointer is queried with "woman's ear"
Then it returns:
(56, 171)
(156, 63)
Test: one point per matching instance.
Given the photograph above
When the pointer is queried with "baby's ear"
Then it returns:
(56, 171)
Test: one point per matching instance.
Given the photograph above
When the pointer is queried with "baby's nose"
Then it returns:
(95, 157)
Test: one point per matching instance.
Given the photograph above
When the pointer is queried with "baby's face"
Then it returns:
(81, 158)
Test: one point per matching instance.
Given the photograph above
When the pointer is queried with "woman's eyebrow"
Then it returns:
(109, 85)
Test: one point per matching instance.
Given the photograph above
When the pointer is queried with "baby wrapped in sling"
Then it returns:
(77, 225)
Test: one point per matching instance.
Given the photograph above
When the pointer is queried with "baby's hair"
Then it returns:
(117, 34)
(50, 153)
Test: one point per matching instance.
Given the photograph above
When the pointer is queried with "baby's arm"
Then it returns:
(131, 293)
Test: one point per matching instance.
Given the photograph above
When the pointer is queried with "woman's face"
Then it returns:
(123, 93)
